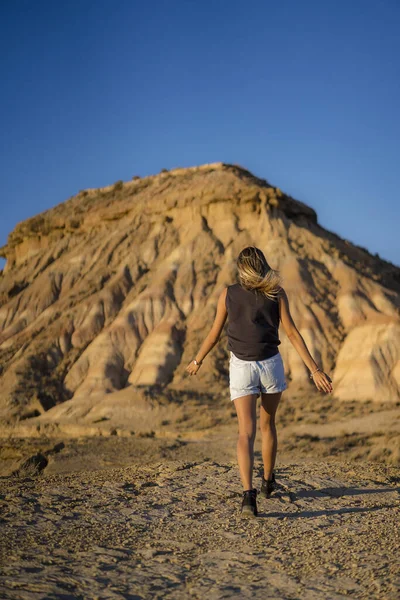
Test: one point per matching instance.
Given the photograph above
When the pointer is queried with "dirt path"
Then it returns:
(173, 530)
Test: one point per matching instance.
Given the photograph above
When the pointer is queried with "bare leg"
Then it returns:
(269, 405)
(247, 417)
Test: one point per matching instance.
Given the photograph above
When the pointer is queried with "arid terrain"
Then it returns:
(118, 472)
(116, 288)
(156, 514)
(171, 528)
(316, 427)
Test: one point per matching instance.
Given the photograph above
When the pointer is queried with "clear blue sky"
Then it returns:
(303, 93)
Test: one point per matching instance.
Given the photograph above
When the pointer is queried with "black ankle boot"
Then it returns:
(249, 503)
(268, 486)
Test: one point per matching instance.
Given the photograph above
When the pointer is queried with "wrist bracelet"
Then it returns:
(311, 374)
(196, 363)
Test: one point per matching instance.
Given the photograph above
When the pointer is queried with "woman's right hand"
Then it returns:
(323, 382)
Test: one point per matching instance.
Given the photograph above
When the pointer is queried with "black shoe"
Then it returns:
(268, 486)
(249, 503)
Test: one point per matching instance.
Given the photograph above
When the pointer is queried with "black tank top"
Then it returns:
(253, 324)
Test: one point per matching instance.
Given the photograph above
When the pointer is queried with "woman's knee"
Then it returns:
(267, 425)
(247, 435)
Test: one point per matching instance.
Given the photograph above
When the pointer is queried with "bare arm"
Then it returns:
(321, 379)
(213, 336)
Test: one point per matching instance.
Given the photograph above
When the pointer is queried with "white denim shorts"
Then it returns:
(256, 376)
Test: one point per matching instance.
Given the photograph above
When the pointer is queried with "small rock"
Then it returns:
(32, 466)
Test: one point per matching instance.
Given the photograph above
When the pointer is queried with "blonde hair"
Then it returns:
(255, 273)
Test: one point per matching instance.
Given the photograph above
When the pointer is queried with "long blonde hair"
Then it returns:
(254, 273)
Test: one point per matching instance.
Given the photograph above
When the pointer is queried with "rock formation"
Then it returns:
(117, 288)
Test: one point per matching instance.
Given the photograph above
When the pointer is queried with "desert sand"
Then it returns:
(156, 514)
(172, 529)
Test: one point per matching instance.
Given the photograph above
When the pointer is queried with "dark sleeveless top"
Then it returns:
(253, 323)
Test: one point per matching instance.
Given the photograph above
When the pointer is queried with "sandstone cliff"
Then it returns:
(117, 287)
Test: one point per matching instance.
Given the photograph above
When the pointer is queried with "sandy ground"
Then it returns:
(314, 427)
(158, 515)
(173, 530)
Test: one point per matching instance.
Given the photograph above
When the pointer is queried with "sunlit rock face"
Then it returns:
(118, 286)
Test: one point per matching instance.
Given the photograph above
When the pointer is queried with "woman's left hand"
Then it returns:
(192, 368)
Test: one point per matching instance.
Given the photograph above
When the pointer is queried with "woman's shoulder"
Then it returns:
(281, 292)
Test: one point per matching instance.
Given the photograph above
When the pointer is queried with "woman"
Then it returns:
(254, 307)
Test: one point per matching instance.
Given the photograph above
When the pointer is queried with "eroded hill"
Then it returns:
(117, 287)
